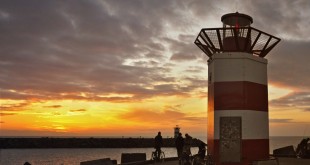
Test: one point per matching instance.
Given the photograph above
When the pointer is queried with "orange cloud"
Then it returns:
(14, 106)
(166, 118)
(6, 114)
(152, 116)
(53, 106)
(78, 110)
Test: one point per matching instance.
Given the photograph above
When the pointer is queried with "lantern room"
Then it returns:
(236, 35)
(236, 20)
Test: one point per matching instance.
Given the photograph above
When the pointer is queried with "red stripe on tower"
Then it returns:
(235, 95)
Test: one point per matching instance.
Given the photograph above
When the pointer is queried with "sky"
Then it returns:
(131, 68)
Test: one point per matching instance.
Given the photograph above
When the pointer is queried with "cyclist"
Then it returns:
(158, 145)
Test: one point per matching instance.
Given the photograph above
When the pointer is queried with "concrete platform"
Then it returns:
(168, 161)
(174, 162)
(278, 161)
(283, 161)
(293, 161)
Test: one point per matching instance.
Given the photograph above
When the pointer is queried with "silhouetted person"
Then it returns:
(202, 150)
(187, 147)
(302, 148)
(158, 144)
(179, 143)
(187, 144)
(27, 163)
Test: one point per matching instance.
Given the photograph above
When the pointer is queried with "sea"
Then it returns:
(75, 156)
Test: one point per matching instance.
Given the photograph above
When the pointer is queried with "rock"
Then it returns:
(287, 151)
(106, 161)
(133, 157)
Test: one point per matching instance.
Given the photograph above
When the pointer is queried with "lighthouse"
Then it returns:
(176, 131)
(238, 126)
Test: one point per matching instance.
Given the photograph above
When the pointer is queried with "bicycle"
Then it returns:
(161, 157)
(198, 160)
(209, 160)
(186, 158)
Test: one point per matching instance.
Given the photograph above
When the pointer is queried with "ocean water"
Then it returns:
(75, 156)
(72, 156)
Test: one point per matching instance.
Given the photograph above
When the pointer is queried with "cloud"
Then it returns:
(82, 47)
(6, 114)
(78, 110)
(299, 100)
(88, 50)
(53, 58)
(14, 106)
(166, 117)
(53, 106)
(173, 107)
(56, 113)
(280, 120)
(287, 17)
(152, 116)
(183, 48)
(195, 69)
(8, 109)
(288, 65)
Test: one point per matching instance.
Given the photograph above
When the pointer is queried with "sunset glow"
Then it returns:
(120, 68)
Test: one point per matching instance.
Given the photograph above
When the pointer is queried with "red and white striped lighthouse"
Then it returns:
(238, 126)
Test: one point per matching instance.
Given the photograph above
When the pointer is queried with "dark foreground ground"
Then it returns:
(46, 142)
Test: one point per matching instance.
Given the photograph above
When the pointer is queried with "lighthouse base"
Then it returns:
(251, 150)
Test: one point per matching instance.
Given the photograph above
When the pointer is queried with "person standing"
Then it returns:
(179, 143)
(187, 147)
(202, 150)
(158, 144)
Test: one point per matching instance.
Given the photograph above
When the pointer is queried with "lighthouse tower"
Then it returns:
(176, 131)
(238, 127)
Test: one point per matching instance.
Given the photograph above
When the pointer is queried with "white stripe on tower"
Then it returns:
(238, 67)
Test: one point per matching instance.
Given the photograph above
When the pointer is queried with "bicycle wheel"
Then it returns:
(198, 160)
(182, 161)
(153, 157)
(209, 160)
(185, 159)
(162, 156)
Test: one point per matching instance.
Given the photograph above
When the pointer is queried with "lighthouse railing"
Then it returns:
(241, 39)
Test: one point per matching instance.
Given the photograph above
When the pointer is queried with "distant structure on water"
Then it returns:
(238, 126)
(176, 131)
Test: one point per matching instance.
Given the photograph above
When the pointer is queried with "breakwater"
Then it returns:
(47, 142)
